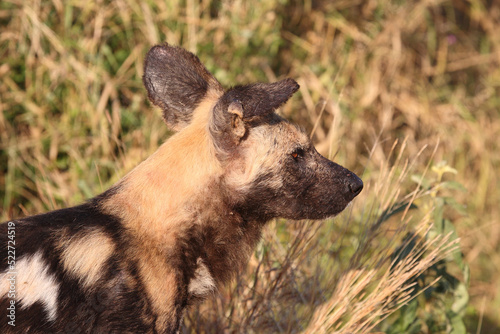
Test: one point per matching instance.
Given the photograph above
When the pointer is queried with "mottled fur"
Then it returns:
(181, 223)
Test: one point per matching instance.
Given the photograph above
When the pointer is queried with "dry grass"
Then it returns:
(353, 310)
(74, 119)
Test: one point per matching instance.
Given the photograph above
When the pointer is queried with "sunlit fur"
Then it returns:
(84, 255)
(152, 200)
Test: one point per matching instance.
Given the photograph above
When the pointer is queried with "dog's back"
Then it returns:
(63, 271)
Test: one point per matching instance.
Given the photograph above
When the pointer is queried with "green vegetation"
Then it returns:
(404, 93)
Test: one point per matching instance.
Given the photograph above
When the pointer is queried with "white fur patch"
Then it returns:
(202, 283)
(33, 284)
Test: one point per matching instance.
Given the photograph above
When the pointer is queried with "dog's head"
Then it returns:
(271, 168)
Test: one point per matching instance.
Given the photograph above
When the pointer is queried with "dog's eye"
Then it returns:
(298, 153)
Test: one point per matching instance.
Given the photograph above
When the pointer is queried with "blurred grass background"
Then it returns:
(75, 118)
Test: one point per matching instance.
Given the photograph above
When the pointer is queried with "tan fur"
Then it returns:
(158, 279)
(153, 200)
(153, 195)
(84, 255)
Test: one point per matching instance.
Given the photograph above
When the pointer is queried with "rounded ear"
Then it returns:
(237, 107)
(262, 98)
(176, 82)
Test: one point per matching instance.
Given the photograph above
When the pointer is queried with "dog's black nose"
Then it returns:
(355, 184)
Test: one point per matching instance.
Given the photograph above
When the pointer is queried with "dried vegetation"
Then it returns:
(390, 89)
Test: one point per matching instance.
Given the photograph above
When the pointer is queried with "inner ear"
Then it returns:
(227, 126)
(235, 109)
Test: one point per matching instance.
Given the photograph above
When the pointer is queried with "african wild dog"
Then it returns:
(182, 222)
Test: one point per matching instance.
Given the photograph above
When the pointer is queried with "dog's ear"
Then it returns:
(242, 104)
(262, 98)
(176, 82)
